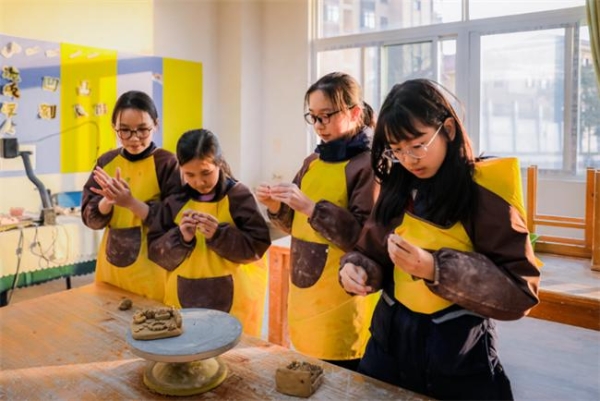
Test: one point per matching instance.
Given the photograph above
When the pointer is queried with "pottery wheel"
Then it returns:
(188, 364)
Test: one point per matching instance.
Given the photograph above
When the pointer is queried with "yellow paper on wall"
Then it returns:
(88, 94)
(182, 99)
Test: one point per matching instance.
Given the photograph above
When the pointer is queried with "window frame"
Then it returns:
(467, 34)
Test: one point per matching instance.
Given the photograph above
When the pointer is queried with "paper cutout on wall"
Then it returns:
(10, 49)
(84, 88)
(50, 84)
(11, 73)
(80, 111)
(11, 89)
(100, 109)
(32, 51)
(7, 127)
(9, 109)
(47, 111)
(52, 53)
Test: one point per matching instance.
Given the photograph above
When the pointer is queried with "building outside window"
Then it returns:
(522, 70)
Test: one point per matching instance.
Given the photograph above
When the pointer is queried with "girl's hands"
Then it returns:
(192, 221)
(263, 194)
(412, 259)
(114, 190)
(187, 225)
(292, 196)
(354, 279)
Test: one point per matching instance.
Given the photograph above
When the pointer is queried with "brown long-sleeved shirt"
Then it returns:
(500, 279)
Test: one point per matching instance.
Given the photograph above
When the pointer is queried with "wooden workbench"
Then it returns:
(71, 345)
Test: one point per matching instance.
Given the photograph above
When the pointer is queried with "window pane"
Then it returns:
(340, 17)
(588, 154)
(345, 60)
(349, 61)
(407, 62)
(497, 8)
(448, 64)
(371, 84)
(522, 97)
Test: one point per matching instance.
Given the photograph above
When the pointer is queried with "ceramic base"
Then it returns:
(187, 378)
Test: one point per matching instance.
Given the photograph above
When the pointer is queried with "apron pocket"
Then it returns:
(211, 293)
(123, 245)
(308, 262)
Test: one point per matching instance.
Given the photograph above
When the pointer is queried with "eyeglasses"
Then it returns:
(141, 133)
(416, 152)
(323, 118)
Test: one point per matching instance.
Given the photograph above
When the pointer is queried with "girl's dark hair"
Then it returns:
(202, 144)
(450, 194)
(135, 100)
(344, 92)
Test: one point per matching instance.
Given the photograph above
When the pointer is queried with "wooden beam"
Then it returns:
(531, 197)
(596, 223)
(562, 249)
(568, 309)
(279, 273)
(591, 207)
(559, 221)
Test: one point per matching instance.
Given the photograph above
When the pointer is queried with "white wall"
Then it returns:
(254, 56)
(124, 25)
(256, 69)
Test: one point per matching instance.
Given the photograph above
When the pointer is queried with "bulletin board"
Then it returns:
(57, 100)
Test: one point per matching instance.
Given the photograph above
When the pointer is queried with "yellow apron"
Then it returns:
(124, 263)
(323, 320)
(501, 176)
(241, 288)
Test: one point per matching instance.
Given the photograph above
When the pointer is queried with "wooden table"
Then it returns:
(71, 345)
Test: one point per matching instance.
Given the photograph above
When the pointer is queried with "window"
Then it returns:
(523, 70)
(332, 13)
(369, 20)
(498, 8)
(399, 13)
(383, 22)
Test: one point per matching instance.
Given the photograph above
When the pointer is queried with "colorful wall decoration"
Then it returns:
(57, 98)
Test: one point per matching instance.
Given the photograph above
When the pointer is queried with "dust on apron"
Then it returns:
(501, 176)
(207, 280)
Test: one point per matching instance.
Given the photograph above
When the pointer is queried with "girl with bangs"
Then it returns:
(211, 237)
(324, 210)
(447, 242)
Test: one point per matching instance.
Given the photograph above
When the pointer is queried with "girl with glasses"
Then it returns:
(122, 196)
(447, 242)
(211, 237)
(324, 209)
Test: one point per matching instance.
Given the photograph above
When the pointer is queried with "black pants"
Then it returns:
(351, 364)
(449, 355)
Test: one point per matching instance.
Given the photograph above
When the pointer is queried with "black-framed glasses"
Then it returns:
(416, 152)
(323, 118)
(141, 132)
